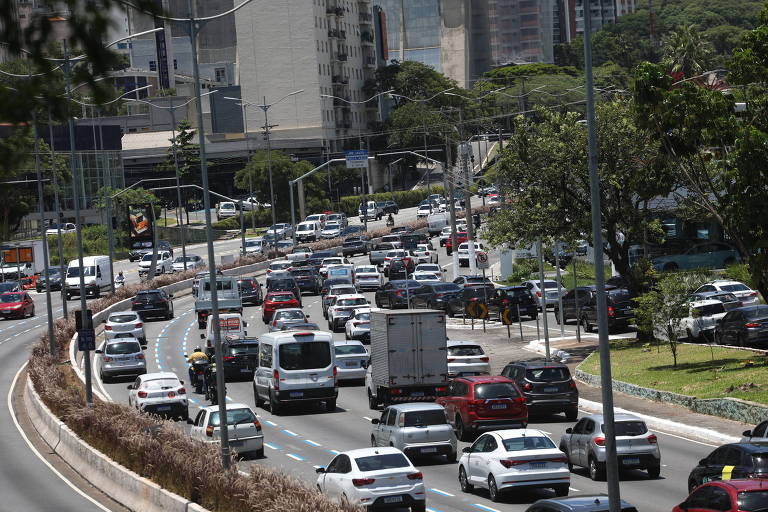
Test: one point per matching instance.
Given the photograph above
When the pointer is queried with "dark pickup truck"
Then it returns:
(360, 244)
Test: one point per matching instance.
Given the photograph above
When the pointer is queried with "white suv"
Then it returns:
(163, 263)
(159, 393)
(702, 319)
(744, 293)
(343, 309)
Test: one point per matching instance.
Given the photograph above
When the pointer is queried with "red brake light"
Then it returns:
(572, 384)
(229, 358)
(107, 327)
(142, 394)
(527, 386)
(335, 371)
(509, 463)
(359, 482)
(181, 391)
(442, 389)
(611, 311)
(395, 391)
(538, 294)
(599, 441)
(171, 394)
(753, 294)
(562, 460)
(416, 476)
(107, 359)
(139, 325)
(752, 324)
(485, 359)
(652, 439)
(209, 430)
(276, 378)
(451, 359)
(139, 356)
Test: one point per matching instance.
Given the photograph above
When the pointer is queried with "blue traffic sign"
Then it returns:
(357, 158)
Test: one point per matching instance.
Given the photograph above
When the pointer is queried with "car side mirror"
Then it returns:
(101, 351)
(143, 347)
(245, 324)
(190, 421)
(308, 317)
(320, 470)
(746, 433)
(569, 430)
(466, 449)
(182, 382)
(129, 386)
(202, 336)
(170, 295)
(375, 421)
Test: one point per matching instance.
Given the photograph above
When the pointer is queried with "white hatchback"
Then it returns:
(368, 277)
(125, 324)
(467, 358)
(279, 265)
(351, 360)
(374, 478)
(243, 427)
(744, 293)
(514, 459)
(159, 393)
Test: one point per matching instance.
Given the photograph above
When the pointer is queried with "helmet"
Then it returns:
(198, 349)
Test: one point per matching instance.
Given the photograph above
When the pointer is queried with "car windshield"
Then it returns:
(253, 243)
(380, 462)
(250, 348)
(160, 384)
(305, 355)
(342, 291)
(367, 270)
(517, 293)
(122, 318)
(363, 317)
(289, 315)
(75, 271)
(753, 501)
(709, 309)
(736, 287)
(283, 297)
(346, 350)
(122, 347)
(352, 302)
(550, 284)
(519, 444)
(496, 390)
(10, 297)
(465, 350)
(425, 418)
(234, 417)
(548, 374)
(446, 288)
(629, 428)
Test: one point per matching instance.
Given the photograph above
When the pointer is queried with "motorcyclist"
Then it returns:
(197, 355)
(390, 220)
(476, 219)
(120, 279)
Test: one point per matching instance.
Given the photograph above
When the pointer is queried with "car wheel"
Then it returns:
(585, 324)
(419, 507)
(461, 430)
(259, 453)
(654, 472)
(561, 490)
(373, 402)
(464, 481)
(330, 405)
(493, 490)
(256, 399)
(596, 470)
(274, 406)
(572, 413)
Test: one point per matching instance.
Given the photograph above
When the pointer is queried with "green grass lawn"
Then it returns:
(698, 374)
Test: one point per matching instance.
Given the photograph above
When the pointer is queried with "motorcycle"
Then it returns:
(119, 283)
(211, 391)
(390, 222)
(198, 375)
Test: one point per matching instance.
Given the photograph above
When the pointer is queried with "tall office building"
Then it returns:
(521, 31)
(325, 47)
(603, 12)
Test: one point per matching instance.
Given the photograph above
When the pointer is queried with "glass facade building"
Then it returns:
(413, 30)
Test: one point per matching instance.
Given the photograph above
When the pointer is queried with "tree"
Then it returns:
(188, 157)
(415, 80)
(543, 170)
(687, 52)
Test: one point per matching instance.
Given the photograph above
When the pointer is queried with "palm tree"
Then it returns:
(686, 51)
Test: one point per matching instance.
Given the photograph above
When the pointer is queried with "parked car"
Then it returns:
(580, 503)
(280, 230)
(552, 291)
(16, 305)
(358, 327)
(368, 277)
(512, 460)
(240, 358)
(731, 461)
(243, 428)
(418, 429)
(547, 386)
(482, 403)
(746, 495)
(706, 255)
(160, 393)
(351, 360)
(517, 299)
(373, 477)
(308, 231)
(125, 324)
(394, 294)
(308, 279)
(571, 307)
(343, 308)
(637, 448)
(729, 300)
(437, 295)
(341, 218)
(747, 325)
(701, 320)
(250, 291)
(121, 357)
(192, 262)
(467, 358)
(759, 434)
(620, 311)
(153, 303)
(226, 210)
(744, 293)
(277, 300)
(320, 218)
(358, 244)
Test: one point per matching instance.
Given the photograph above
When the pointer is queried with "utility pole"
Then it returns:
(60, 242)
(452, 208)
(267, 131)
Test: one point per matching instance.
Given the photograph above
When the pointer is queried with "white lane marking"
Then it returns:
(295, 457)
(289, 433)
(270, 423)
(483, 507)
(37, 453)
(441, 492)
(574, 489)
(312, 443)
(272, 446)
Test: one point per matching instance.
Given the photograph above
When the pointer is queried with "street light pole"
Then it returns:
(60, 242)
(267, 128)
(178, 183)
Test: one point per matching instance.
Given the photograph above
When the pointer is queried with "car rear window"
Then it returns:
(160, 384)
(234, 417)
(710, 309)
(446, 288)
(122, 319)
(283, 297)
(548, 374)
(752, 501)
(618, 296)
(343, 291)
(281, 284)
(123, 347)
(307, 355)
(550, 284)
(425, 418)
(496, 390)
(352, 302)
(247, 285)
(629, 428)
(250, 348)
(156, 296)
(293, 315)
(380, 462)
(518, 444)
(346, 350)
(465, 350)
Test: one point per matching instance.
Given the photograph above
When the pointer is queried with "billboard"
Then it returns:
(140, 222)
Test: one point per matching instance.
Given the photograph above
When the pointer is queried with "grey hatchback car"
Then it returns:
(121, 357)
(591, 503)
(419, 430)
(636, 447)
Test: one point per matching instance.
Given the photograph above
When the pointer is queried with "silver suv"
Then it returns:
(121, 356)
(636, 447)
(416, 429)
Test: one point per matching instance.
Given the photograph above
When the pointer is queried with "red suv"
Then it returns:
(277, 300)
(475, 404)
(461, 237)
(728, 496)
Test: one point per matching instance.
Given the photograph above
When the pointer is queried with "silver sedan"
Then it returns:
(282, 319)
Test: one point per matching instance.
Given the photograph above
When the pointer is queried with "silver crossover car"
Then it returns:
(419, 430)
(121, 356)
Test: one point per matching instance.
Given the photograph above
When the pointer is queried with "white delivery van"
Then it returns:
(96, 273)
(232, 327)
(436, 222)
(295, 366)
(308, 231)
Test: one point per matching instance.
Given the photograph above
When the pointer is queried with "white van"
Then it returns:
(96, 273)
(232, 327)
(436, 222)
(317, 217)
(295, 366)
(308, 231)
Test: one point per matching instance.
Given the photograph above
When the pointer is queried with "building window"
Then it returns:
(152, 65)
(221, 74)
(175, 64)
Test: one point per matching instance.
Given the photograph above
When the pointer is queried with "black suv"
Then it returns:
(620, 312)
(55, 277)
(391, 207)
(358, 244)
(153, 303)
(437, 296)
(547, 387)
(250, 291)
(513, 298)
(308, 279)
(284, 282)
(240, 358)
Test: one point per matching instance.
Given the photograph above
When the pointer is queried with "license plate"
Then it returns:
(6, 311)
(551, 389)
(164, 408)
(629, 461)
(296, 394)
(417, 393)
(499, 406)
(393, 499)
(429, 450)
(148, 306)
(537, 465)
(351, 363)
(245, 370)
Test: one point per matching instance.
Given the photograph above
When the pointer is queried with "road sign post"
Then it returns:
(358, 159)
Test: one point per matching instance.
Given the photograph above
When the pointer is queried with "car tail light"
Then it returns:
(441, 389)
(507, 463)
(209, 430)
(276, 378)
(538, 294)
(527, 386)
(142, 394)
(505, 301)
(107, 327)
(752, 324)
(399, 293)
(401, 421)
(359, 482)
(107, 359)
(599, 441)
(181, 391)
(416, 476)
(753, 294)
(229, 358)
(485, 359)
(257, 424)
(395, 391)
(572, 384)
(451, 359)
(139, 356)
(335, 371)
(611, 311)
(139, 325)
(171, 394)
(652, 439)
(561, 460)
(474, 404)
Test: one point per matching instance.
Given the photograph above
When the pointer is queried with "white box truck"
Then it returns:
(436, 222)
(409, 361)
(21, 259)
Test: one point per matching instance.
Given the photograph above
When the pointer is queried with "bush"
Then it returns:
(739, 272)
(94, 243)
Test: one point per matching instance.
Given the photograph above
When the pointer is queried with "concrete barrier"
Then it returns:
(122, 485)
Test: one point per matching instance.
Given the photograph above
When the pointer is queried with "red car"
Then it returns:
(16, 305)
(461, 237)
(727, 496)
(278, 300)
(476, 404)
